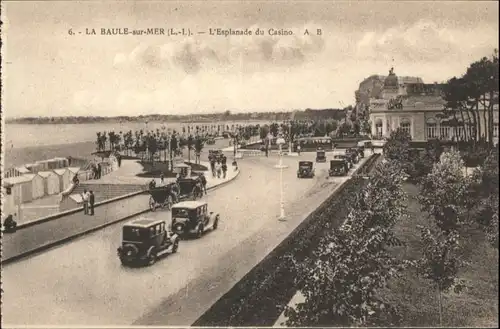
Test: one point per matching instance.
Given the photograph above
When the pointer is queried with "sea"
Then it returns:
(18, 136)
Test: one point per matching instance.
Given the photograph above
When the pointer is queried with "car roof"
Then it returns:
(337, 160)
(144, 222)
(189, 204)
(305, 162)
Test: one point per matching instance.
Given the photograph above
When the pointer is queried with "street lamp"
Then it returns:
(280, 141)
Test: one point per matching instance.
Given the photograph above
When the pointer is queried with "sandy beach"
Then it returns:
(19, 156)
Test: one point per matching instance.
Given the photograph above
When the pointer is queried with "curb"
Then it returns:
(94, 229)
(73, 211)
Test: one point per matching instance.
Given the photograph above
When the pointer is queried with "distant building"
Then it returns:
(413, 106)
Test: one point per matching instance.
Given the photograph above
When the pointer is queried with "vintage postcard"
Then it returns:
(249, 163)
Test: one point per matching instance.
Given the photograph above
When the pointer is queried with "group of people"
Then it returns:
(218, 165)
(97, 170)
(88, 198)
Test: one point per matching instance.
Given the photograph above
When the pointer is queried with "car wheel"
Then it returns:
(124, 262)
(199, 233)
(216, 223)
(152, 257)
(175, 245)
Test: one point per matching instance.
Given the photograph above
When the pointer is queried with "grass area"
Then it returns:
(154, 170)
(416, 298)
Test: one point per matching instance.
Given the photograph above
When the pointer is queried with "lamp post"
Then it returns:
(280, 141)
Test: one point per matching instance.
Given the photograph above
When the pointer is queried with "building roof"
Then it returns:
(60, 171)
(23, 169)
(19, 179)
(189, 204)
(45, 174)
(144, 222)
(74, 170)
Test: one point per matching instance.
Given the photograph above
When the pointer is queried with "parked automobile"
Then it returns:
(346, 158)
(353, 154)
(320, 155)
(210, 141)
(190, 187)
(144, 240)
(338, 167)
(305, 169)
(193, 218)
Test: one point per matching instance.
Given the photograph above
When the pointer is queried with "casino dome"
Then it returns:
(391, 82)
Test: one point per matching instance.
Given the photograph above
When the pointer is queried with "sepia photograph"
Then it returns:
(249, 163)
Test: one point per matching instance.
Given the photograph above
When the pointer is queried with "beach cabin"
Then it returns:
(71, 202)
(21, 188)
(33, 167)
(37, 185)
(43, 165)
(50, 182)
(65, 177)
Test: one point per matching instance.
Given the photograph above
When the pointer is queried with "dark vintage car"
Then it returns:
(144, 240)
(346, 158)
(353, 153)
(190, 187)
(305, 169)
(320, 155)
(361, 151)
(193, 218)
(338, 167)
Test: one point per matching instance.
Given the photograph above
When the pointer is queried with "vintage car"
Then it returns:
(193, 218)
(210, 141)
(353, 153)
(305, 169)
(320, 155)
(338, 167)
(190, 187)
(361, 151)
(346, 158)
(144, 240)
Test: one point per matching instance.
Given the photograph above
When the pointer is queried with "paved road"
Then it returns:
(83, 283)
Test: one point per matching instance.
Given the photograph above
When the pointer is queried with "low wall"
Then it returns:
(259, 298)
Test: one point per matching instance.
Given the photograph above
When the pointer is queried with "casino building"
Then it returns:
(412, 105)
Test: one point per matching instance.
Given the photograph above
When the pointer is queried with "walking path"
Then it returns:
(49, 232)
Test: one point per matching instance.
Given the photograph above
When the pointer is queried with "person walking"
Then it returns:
(91, 202)
(212, 165)
(99, 170)
(203, 182)
(298, 149)
(85, 198)
(218, 168)
(224, 170)
(119, 158)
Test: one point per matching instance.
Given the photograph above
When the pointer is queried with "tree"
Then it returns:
(189, 145)
(198, 146)
(340, 281)
(440, 262)
(443, 193)
(397, 148)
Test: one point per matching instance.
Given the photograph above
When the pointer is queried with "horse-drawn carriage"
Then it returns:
(163, 196)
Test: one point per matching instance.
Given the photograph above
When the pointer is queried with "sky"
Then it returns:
(47, 72)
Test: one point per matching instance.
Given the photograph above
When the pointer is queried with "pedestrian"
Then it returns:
(91, 202)
(85, 198)
(76, 181)
(298, 149)
(224, 170)
(10, 225)
(99, 170)
(235, 165)
(218, 168)
(203, 182)
(119, 158)
(212, 165)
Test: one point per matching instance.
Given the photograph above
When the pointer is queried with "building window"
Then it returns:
(405, 125)
(495, 130)
(378, 128)
(432, 129)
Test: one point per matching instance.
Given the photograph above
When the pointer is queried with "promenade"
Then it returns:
(47, 233)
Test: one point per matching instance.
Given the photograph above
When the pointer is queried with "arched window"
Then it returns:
(405, 125)
(378, 128)
(431, 125)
